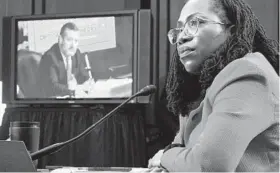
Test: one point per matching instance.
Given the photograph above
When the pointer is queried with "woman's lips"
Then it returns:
(183, 49)
(186, 53)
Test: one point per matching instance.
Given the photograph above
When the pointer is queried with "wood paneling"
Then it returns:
(175, 9)
(132, 4)
(165, 14)
(12, 7)
(155, 58)
(163, 40)
(85, 6)
(268, 14)
(17, 7)
(38, 6)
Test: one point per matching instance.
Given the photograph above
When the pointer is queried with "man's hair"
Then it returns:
(70, 26)
(185, 91)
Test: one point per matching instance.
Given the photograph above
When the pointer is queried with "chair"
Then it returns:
(27, 70)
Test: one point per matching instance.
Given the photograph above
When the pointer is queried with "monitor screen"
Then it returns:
(82, 57)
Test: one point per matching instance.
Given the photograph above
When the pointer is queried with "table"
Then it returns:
(61, 169)
(108, 88)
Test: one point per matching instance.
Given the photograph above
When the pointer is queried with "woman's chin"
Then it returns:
(191, 67)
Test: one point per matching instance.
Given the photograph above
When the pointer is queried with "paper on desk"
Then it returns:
(62, 97)
(139, 169)
(87, 170)
(133, 170)
(65, 170)
(112, 88)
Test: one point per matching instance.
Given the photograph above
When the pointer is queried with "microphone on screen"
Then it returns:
(148, 90)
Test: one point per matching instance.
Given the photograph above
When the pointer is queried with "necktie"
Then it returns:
(68, 70)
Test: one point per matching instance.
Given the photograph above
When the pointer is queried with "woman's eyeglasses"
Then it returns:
(190, 27)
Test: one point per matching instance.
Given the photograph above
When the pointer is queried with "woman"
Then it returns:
(223, 82)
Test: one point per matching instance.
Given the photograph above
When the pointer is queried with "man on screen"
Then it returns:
(62, 68)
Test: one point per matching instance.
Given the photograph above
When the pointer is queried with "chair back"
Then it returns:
(27, 73)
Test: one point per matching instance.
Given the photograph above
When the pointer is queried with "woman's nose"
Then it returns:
(183, 38)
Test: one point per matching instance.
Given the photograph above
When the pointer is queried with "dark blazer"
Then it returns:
(52, 72)
(236, 126)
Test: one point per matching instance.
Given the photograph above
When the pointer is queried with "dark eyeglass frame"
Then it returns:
(174, 32)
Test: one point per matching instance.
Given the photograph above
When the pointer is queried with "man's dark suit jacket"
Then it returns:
(52, 72)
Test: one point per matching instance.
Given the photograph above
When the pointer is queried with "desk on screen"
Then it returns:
(110, 88)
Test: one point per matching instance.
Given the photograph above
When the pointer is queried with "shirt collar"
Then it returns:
(64, 57)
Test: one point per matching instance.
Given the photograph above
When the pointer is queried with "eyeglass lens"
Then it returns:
(191, 27)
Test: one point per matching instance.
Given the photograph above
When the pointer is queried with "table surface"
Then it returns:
(61, 169)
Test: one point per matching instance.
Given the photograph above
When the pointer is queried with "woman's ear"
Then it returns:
(60, 39)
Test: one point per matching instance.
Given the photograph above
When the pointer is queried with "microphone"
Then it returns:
(150, 89)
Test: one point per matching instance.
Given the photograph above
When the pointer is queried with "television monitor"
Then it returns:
(77, 58)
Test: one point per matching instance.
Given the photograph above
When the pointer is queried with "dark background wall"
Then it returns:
(12, 7)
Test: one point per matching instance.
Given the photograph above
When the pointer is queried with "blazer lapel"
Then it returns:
(61, 65)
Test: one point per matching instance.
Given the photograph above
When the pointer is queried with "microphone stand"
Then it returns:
(58, 146)
(88, 67)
